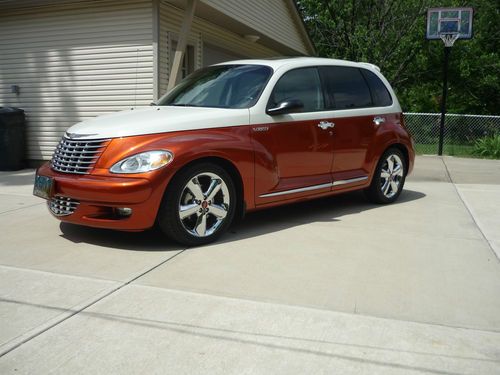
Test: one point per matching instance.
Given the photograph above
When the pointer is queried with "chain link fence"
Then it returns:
(460, 132)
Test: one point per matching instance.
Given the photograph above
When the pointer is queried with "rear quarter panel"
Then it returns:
(392, 132)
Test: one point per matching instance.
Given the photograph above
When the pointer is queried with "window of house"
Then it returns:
(187, 61)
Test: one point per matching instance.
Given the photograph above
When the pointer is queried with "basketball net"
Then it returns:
(449, 39)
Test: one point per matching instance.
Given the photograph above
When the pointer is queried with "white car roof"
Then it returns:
(297, 62)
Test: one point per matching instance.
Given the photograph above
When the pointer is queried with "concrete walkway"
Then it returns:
(330, 286)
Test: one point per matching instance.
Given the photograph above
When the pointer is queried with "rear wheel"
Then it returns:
(389, 177)
(199, 205)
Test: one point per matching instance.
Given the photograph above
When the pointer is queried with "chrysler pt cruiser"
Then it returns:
(231, 138)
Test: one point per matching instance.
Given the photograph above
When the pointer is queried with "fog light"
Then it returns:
(124, 211)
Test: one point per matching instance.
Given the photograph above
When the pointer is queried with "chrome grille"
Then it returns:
(77, 156)
(62, 206)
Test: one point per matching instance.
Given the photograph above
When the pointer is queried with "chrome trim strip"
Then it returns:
(314, 187)
(299, 190)
(350, 181)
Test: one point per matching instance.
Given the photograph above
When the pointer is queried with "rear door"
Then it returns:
(293, 154)
(350, 96)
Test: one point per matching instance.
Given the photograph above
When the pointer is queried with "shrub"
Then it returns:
(488, 147)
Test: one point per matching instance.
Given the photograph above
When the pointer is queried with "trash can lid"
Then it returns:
(10, 110)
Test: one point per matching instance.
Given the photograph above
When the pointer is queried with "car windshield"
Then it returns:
(221, 86)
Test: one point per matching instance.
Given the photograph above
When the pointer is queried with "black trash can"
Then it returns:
(12, 139)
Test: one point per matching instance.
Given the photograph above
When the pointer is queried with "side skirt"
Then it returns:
(315, 187)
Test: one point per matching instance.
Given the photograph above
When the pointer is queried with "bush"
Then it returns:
(465, 130)
(488, 147)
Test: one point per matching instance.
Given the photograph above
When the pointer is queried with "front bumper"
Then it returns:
(98, 197)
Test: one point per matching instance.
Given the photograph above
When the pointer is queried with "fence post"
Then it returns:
(447, 51)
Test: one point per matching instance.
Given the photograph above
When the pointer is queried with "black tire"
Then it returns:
(185, 231)
(375, 192)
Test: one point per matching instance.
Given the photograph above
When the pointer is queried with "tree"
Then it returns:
(391, 34)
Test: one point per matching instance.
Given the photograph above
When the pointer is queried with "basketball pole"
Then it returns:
(447, 51)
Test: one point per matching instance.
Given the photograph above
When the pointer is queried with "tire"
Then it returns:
(387, 182)
(192, 215)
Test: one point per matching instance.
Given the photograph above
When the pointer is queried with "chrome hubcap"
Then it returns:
(204, 204)
(391, 175)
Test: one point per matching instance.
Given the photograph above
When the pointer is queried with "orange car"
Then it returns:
(231, 138)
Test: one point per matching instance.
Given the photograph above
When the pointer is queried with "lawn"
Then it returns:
(448, 149)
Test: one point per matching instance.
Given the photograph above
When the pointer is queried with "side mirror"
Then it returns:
(286, 106)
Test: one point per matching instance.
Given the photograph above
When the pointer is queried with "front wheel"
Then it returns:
(389, 177)
(199, 205)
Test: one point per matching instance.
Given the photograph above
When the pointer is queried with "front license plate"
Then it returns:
(44, 187)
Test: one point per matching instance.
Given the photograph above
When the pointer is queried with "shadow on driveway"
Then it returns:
(326, 210)
(149, 240)
(25, 177)
(257, 223)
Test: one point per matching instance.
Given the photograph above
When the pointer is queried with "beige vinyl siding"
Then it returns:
(272, 18)
(214, 54)
(202, 32)
(74, 62)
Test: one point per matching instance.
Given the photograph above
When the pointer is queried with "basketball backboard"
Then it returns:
(455, 22)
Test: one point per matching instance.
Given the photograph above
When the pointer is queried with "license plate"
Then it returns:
(44, 187)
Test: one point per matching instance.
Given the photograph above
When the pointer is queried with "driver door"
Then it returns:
(294, 151)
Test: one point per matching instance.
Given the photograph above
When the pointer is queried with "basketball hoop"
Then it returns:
(449, 39)
(449, 25)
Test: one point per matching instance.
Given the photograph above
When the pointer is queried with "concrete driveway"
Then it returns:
(334, 285)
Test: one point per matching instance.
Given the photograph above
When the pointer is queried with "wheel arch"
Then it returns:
(372, 192)
(398, 145)
(401, 147)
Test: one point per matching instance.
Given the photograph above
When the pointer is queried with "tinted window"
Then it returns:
(380, 94)
(223, 86)
(302, 84)
(346, 87)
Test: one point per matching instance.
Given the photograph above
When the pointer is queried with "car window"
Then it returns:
(220, 86)
(346, 87)
(302, 84)
(380, 94)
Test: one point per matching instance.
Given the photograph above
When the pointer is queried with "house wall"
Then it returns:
(73, 62)
(79, 59)
(213, 54)
(202, 32)
(273, 18)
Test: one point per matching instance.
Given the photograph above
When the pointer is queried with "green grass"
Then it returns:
(488, 147)
(448, 149)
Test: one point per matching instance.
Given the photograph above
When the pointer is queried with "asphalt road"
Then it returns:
(334, 285)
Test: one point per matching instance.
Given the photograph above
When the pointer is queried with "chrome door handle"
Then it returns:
(325, 125)
(378, 120)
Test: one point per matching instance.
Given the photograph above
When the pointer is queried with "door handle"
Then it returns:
(325, 125)
(378, 120)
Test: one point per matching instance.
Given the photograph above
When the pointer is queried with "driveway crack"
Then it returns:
(71, 313)
(469, 211)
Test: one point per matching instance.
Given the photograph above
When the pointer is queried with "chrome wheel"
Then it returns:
(204, 204)
(391, 175)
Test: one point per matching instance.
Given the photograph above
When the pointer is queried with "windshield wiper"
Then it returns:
(183, 105)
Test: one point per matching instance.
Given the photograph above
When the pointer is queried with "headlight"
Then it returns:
(143, 162)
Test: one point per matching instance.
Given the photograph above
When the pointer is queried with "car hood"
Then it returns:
(157, 119)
